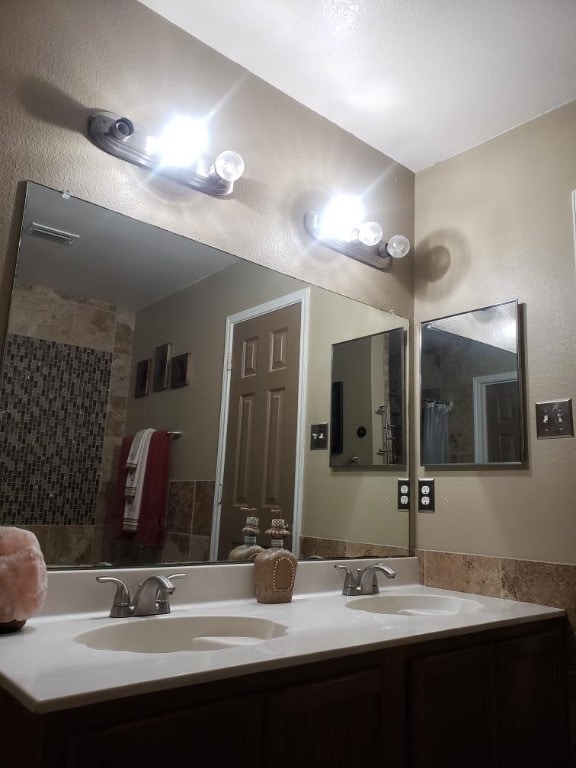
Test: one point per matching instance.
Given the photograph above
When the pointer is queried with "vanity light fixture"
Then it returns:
(341, 228)
(178, 153)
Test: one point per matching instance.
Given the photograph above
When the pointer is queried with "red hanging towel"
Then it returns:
(151, 522)
(152, 519)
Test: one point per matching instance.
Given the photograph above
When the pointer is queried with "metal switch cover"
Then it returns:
(554, 419)
(318, 437)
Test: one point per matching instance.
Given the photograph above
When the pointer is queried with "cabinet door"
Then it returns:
(453, 710)
(220, 735)
(336, 722)
(533, 729)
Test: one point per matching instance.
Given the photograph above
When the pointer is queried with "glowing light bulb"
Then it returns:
(370, 233)
(182, 142)
(229, 165)
(398, 246)
(340, 219)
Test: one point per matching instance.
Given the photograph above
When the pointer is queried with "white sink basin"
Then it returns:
(169, 634)
(415, 605)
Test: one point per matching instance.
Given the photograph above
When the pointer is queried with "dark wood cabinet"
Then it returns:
(336, 722)
(453, 709)
(493, 698)
(227, 733)
(532, 699)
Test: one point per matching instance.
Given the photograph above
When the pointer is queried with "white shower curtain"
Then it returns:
(435, 432)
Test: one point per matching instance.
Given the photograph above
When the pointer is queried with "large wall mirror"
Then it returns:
(471, 387)
(115, 327)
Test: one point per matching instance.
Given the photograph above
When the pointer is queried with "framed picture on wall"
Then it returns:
(161, 367)
(180, 371)
(142, 382)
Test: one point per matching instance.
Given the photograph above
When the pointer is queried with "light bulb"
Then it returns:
(340, 219)
(370, 233)
(398, 246)
(229, 165)
(182, 142)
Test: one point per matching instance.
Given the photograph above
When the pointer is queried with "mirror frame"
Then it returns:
(522, 463)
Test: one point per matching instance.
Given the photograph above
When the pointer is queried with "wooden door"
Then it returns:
(503, 421)
(260, 458)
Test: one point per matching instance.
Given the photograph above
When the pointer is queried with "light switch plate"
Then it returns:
(554, 419)
(318, 437)
(426, 496)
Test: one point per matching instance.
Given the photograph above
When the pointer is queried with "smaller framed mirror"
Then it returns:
(367, 422)
(472, 405)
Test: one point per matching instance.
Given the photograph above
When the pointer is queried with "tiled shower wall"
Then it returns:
(64, 393)
(67, 375)
(188, 528)
(53, 401)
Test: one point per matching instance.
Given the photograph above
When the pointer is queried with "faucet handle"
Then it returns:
(350, 580)
(168, 590)
(121, 604)
(176, 576)
(369, 586)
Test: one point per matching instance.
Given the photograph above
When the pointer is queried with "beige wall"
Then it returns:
(60, 59)
(494, 224)
(350, 506)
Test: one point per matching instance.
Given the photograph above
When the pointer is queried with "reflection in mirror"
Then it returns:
(367, 409)
(471, 388)
(123, 331)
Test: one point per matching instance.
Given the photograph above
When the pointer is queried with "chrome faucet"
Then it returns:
(151, 599)
(364, 581)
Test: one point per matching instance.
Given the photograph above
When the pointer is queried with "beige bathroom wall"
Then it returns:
(60, 60)
(345, 505)
(493, 224)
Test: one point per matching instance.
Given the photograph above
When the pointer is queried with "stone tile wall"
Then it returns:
(189, 521)
(78, 332)
(313, 547)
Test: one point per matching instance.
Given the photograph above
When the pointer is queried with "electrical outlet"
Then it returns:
(426, 496)
(403, 494)
(554, 419)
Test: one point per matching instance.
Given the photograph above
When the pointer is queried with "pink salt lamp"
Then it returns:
(23, 577)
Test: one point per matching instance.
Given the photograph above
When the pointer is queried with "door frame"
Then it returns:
(298, 297)
(480, 385)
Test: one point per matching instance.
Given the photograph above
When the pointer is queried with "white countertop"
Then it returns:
(45, 669)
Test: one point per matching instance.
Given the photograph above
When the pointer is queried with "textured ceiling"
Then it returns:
(419, 80)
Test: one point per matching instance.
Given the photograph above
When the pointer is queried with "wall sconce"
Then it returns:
(340, 227)
(178, 153)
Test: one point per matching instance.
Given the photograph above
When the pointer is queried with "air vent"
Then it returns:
(49, 233)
